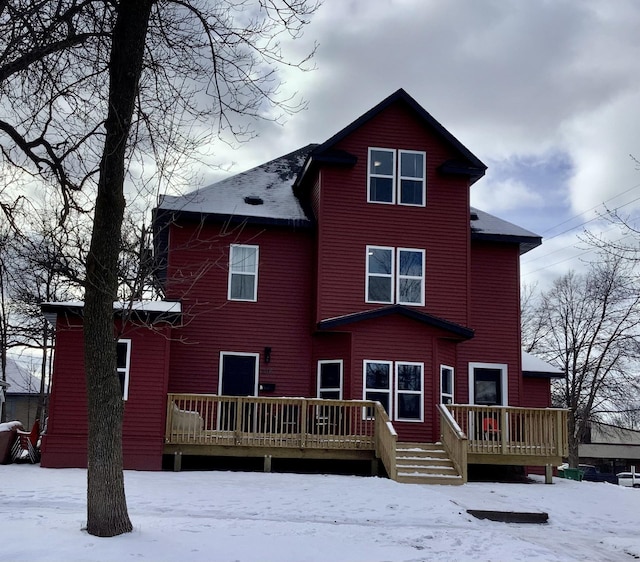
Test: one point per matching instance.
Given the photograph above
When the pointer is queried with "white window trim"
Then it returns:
(126, 369)
(392, 275)
(453, 388)
(389, 391)
(393, 176)
(421, 278)
(504, 378)
(330, 389)
(401, 177)
(243, 354)
(232, 273)
(420, 392)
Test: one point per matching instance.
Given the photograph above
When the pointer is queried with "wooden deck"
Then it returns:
(213, 425)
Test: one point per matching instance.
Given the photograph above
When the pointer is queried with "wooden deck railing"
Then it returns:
(209, 419)
(385, 440)
(454, 441)
(502, 430)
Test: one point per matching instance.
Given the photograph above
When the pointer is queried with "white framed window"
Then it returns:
(123, 362)
(377, 383)
(446, 384)
(380, 274)
(410, 277)
(330, 379)
(411, 181)
(400, 391)
(396, 176)
(395, 276)
(381, 177)
(488, 384)
(409, 391)
(243, 272)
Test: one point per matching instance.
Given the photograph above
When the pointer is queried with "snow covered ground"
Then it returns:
(236, 516)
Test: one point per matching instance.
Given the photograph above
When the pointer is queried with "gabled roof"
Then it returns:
(467, 163)
(493, 229)
(423, 317)
(533, 366)
(263, 192)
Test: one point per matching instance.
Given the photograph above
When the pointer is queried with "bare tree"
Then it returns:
(96, 91)
(592, 332)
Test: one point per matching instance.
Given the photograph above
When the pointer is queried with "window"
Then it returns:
(408, 166)
(377, 383)
(243, 273)
(381, 284)
(409, 383)
(330, 379)
(407, 389)
(488, 384)
(123, 359)
(446, 384)
(382, 168)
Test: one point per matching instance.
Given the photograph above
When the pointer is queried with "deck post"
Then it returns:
(267, 463)
(548, 474)
(177, 461)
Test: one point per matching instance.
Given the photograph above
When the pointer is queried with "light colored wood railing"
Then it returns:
(385, 440)
(506, 430)
(454, 440)
(209, 419)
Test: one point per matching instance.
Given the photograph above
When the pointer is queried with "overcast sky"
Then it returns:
(546, 93)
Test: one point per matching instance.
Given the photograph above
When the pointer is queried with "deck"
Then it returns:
(214, 425)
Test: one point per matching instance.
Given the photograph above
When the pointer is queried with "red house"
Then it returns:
(340, 301)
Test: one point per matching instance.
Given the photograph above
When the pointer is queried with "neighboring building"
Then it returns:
(611, 448)
(350, 270)
(22, 394)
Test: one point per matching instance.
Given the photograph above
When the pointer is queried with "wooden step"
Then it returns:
(425, 463)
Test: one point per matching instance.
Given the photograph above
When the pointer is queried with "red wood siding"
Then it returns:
(536, 392)
(280, 319)
(143, 430)
(495, 316)
(347, 223)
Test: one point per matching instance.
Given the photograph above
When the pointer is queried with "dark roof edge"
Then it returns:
(52, 310)
(457, 329)
(526, 243)
(543, 375)
(198, 216)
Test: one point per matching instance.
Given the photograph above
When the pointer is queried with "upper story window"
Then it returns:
(395, 276)
(397, 176)
(123, 361)
(243, 272)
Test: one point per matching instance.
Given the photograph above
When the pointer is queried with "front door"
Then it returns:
(238, 377)
(238, 374)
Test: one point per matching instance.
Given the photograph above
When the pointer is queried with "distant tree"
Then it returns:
(92, 89)
(592, 324)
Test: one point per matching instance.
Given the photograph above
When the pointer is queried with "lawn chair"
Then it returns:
(26, 445)
(490, 429)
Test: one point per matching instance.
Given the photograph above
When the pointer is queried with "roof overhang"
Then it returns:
(144, 312)
(460, 332)
(535, 367)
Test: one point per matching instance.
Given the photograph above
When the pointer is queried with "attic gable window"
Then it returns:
(243, 273)
(396, 176)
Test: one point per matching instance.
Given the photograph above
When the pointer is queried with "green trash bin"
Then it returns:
(573, 474)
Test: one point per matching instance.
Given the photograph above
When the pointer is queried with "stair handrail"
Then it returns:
(385, 439)
(454, 441)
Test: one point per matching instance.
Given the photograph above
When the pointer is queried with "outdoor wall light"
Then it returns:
(267, 354)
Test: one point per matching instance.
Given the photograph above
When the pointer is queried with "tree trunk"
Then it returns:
(106, 502)
(574, 440)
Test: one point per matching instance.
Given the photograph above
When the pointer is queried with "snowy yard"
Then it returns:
(235, 516)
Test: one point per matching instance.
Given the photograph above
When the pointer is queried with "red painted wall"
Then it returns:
(65, 444)
(494, 316)
(347, 223)
(536, 392)
(280, 319)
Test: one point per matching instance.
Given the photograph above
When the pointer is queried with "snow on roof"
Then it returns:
(141, 306)
(533, 364)
(489, 224)
(264, 191)
(20, 379)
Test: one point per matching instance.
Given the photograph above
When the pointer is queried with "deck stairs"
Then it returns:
(425, 463)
